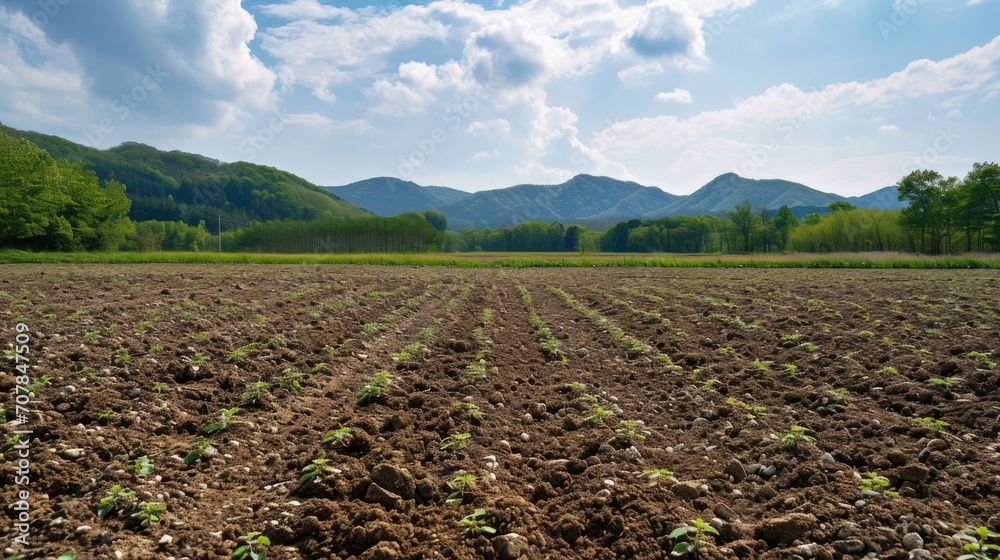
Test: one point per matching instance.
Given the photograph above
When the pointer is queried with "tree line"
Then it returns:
(53, 204)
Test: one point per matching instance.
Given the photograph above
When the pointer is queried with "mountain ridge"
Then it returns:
(596, 200)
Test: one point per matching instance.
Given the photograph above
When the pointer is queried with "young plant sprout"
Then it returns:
(474, 524)
(455, 442)
(460, 485)
(254, 549)
(696, 532)
(115, 496)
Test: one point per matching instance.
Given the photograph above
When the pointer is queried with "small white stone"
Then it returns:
(83, 528)
(294, 503)
(166, 539)
(609, 483)
(524, 436)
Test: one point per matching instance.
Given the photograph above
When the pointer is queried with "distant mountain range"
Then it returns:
(593, 201)
(175, 185)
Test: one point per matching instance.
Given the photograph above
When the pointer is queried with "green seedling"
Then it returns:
(808, 347)
(474, 524)
(476, 371)
(790, 369)
(471, 410)
(144, 326)
(106, 414)
(872, 481)
(228, 418)
(199, 450)
(695, 532)
(375, 388)
(154, 350)
(316, 468)
(317, 368)
(947, 383)
(597, 416)
(3, 416)
(460, 485)
(889, 370)
(866, 335)
(252, 392)
(141, 467)
(260, 320)
(43, 381)
(977, 545)
(656, 475)
(159, 386)
(289, 381)
(338, 436)
(631, 429)
(762, 365)
(939, 425)
(68, 555)
(121, 356)
(983, 359)
(254, 549)
(116, 495)
(91, 336)
(200, 359)
(455, 442)
(794, 435)
(707, 385)
(577, 386)
(148, 512)
(204, 336)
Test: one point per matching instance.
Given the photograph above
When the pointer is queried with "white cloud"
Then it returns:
(678, 95)
(492, 127)
(198, 51)
(888, 129)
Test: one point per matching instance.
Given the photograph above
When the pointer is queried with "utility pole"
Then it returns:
(220, 232)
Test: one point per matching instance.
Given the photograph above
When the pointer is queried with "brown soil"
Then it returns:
(565, 487)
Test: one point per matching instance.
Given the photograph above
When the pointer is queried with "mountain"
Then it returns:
(726, 191)
(582, 199)
(388, 196)
(594, 201)
(171, 186)
(883, 199)
(447, 195)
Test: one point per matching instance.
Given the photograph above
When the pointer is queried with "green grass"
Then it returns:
(525, 260)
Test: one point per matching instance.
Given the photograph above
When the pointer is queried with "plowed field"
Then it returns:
(813, 414)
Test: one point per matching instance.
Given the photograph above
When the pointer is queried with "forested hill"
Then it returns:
(594, 201)
(172, 186)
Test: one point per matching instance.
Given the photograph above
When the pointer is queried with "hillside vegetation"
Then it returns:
(178, 186)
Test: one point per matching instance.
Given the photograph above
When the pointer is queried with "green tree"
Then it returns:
(50, 204)
(922, 189)
(784, 223)
(745, 220)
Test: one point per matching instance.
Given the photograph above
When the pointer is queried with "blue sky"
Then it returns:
(844, 96)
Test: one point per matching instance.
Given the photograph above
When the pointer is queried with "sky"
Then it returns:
(845, 96)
